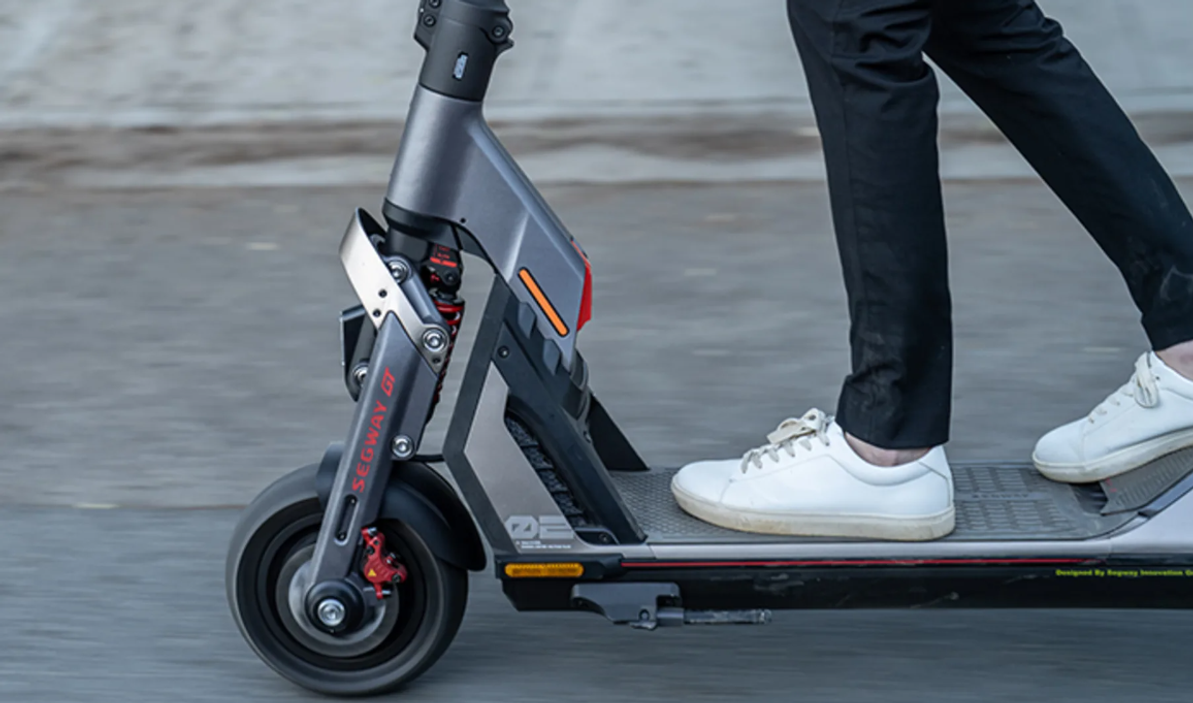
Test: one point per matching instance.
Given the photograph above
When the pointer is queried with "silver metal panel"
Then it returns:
(532, 519)
(380, 294)
(451, 166)
(1169, 532)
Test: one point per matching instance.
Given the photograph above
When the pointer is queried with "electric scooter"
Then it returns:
(350, 576)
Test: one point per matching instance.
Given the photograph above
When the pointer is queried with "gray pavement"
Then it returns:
(138, 62)
(143, 93)
(169, 352)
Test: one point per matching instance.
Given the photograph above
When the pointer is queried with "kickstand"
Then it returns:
(633, 604)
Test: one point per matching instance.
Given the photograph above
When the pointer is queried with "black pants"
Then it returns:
(875, 100)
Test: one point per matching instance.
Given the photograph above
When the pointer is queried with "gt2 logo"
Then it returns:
(365, 463)
(545, 527)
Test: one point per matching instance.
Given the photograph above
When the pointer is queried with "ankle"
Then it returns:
(884, 457)
(1179, 358)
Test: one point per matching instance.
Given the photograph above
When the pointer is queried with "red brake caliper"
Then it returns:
(381, 568)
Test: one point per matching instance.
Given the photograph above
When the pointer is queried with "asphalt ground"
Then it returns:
(167, 354)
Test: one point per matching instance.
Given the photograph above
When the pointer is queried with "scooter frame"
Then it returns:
(531, 448)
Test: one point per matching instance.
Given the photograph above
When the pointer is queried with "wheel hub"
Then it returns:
(306, 624)
(335, 606)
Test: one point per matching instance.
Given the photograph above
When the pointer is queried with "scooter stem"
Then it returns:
(463, 39)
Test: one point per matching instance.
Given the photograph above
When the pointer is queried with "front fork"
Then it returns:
(397, 386)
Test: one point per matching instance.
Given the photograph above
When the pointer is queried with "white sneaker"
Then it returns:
(808, 481)
(1149, 417)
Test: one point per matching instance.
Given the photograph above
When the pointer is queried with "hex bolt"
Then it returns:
(360, 373)
(399, 269)
(403, 447)
(434, 340)
(331, 612)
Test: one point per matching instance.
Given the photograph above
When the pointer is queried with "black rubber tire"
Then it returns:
(284, 518)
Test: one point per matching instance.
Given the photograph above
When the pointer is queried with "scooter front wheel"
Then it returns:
(275, 537)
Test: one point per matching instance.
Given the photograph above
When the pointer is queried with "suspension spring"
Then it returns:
(452, 311)
(442, 273)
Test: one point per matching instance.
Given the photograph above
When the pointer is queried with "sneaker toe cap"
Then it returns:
(1062, 446)
(705, 480)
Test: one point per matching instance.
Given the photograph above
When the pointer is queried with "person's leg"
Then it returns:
(875, 100)
(1179, 357)
(1017, 65)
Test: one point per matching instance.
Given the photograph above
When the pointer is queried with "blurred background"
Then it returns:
(174, 181)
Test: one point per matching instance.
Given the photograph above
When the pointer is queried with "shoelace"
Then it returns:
(791, 433)
(1142, 388)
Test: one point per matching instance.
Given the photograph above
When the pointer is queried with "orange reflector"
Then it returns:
(544, 571)
(539, 297)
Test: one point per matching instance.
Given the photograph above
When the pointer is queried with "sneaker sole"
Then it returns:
(1118, 463)
(877, 527)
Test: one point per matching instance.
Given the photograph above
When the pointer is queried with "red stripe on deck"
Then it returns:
(864, 562)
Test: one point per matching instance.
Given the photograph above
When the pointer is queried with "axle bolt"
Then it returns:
(331, 612)
(434, 340)
(399, 269)
(403, 447)
(360, 373)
